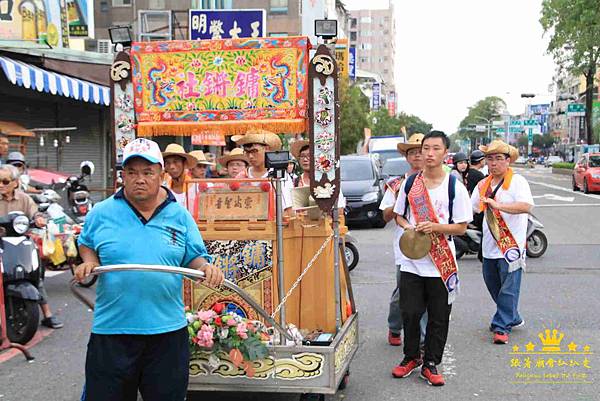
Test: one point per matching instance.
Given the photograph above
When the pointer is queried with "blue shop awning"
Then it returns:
(35, 78)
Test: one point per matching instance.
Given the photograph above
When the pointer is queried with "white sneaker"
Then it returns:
(520, 324)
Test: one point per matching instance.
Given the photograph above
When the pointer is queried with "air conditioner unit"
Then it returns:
(105, 46)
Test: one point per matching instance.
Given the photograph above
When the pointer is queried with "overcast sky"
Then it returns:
(450, 54)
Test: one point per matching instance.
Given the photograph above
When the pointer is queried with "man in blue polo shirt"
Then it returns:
(139, 338)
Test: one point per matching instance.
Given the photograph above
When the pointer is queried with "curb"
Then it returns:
(562, 171)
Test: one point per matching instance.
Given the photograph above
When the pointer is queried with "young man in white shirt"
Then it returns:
(506, 198)
(412, 151)
(438, 205)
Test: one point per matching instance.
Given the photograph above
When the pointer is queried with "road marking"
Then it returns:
(52, 273)
(39, 336)
(556, 197)
(569, 205)
(543, 184)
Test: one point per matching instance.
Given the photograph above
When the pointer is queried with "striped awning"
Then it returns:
(35, 78)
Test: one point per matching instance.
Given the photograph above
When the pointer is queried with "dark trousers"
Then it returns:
(117, 366)
(417, 295)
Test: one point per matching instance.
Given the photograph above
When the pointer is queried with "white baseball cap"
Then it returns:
(145, 148)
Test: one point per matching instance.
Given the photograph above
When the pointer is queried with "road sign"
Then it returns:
(576, 110)
(225, 24)
(481, 128)
(498, 123)
(516, 123)
(513, 130)
(529, 123)
(376, 95)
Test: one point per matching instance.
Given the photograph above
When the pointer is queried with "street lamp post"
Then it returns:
(488, 125)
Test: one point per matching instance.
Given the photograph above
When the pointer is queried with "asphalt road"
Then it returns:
(558, 291)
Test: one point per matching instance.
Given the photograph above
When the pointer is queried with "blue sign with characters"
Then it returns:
(539, 112)
(227, 24)
(376, 96)
(352, 63)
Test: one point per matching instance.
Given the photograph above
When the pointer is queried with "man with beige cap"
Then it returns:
(505, 198)
(256, 143)
(177, 162)
(412, 151)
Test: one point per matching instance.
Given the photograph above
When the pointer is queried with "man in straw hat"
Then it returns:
(256, 143)
(435, 204)
(139, 340)
(201, 165)
(177, 162)
(236, 163)
(412, 151)
(505, 198)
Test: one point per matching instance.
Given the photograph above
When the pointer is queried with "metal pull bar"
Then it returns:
(191, 273)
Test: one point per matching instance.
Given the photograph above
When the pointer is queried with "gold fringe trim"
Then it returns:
(146, 129)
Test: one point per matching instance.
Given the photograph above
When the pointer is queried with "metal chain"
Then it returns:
(299, 279)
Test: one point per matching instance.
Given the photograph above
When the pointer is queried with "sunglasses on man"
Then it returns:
(6, 181)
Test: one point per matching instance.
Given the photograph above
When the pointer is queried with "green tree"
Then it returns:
(489, 109)
(354, 109)
(388, 125)
(574, 28)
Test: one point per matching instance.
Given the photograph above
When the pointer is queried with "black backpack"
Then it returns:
(451, 194)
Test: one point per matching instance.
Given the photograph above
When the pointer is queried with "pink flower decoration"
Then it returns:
(196, 63)
(242, 330)
(231, 322)
(206, 315)
(205, 336)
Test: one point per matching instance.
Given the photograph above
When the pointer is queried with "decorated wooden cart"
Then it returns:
(292, 268)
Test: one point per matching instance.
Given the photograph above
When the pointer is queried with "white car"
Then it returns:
(551, 160)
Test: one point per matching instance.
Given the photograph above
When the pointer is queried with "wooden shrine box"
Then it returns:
(246, 251)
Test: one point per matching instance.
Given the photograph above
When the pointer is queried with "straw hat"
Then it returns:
(174, 149)
(500, 147)
(235, 154)
(260, 136)
(414, 141)
(200, 158)
(297, 146)
(415, 244)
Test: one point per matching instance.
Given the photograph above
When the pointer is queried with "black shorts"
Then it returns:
(117, 366)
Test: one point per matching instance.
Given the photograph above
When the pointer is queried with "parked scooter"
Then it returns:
(537, 243)
(21, 274)
(78, 195)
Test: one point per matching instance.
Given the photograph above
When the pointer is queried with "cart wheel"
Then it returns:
(345, 381)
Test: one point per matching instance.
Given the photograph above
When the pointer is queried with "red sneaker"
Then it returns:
(500, 338)
(394, 339)
(406, 367)
(430, 373)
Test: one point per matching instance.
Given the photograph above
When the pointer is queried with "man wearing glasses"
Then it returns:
(505, 198)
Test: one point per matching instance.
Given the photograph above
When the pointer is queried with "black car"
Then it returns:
(362, 186)
(396, 167)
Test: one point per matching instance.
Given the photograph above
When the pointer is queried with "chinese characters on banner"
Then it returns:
(376, 96)
(391, 103)
(247, 203)
(352, 63)
(342, 56)
(208, 139)
(226, 24)
(226, 85)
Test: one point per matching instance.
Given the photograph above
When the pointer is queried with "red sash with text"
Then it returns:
(441, 254)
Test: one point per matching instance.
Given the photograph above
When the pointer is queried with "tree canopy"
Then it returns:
(354, 109)
(574, 29)
(488, 109)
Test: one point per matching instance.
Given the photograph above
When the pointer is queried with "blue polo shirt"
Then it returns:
(140, 302)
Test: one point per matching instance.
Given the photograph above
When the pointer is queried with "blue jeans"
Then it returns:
(395, 323)
(504, 287)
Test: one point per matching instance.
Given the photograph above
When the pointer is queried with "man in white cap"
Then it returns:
(139, 340)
